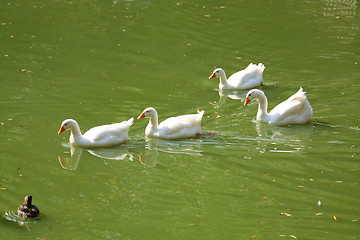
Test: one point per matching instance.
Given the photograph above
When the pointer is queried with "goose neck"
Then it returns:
(75, 135)
(153, 122)
(223, 79)
(262, 109)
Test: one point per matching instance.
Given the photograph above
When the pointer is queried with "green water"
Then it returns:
(105, 61)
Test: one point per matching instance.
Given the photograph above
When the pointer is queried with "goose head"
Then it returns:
(68, 124)
(148, 113)
(253, 94)
(217, 73)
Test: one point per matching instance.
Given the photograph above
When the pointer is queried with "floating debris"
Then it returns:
(285, 214)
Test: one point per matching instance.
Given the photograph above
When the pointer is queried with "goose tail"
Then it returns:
(130, 121)
(201, 113)
(261, 67)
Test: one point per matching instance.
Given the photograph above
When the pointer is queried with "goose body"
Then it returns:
(295, 110)
(250, 77)
(26, 209)
(184, 126)
(100, 136)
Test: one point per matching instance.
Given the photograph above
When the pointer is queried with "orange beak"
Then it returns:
(142, 115)
(212, 75)
(61, 129)
(247, 100)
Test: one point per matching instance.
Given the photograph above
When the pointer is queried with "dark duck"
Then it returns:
(26, 209)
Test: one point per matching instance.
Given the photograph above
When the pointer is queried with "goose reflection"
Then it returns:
(72, 162)
(147, 152)
(154, 147)
(292, 138)
(112, 154)
(232, 94)
(186, 146)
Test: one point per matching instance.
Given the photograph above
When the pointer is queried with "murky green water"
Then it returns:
(104, 61)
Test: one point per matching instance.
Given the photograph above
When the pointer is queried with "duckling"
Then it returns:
(26, 209)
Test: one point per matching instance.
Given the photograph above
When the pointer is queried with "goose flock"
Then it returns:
(295, 110)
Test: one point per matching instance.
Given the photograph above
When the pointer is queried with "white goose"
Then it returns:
(250, 77)
(100, 136)
(184, 126)
(295, 110)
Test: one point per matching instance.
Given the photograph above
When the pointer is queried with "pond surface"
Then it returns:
(101, 62)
